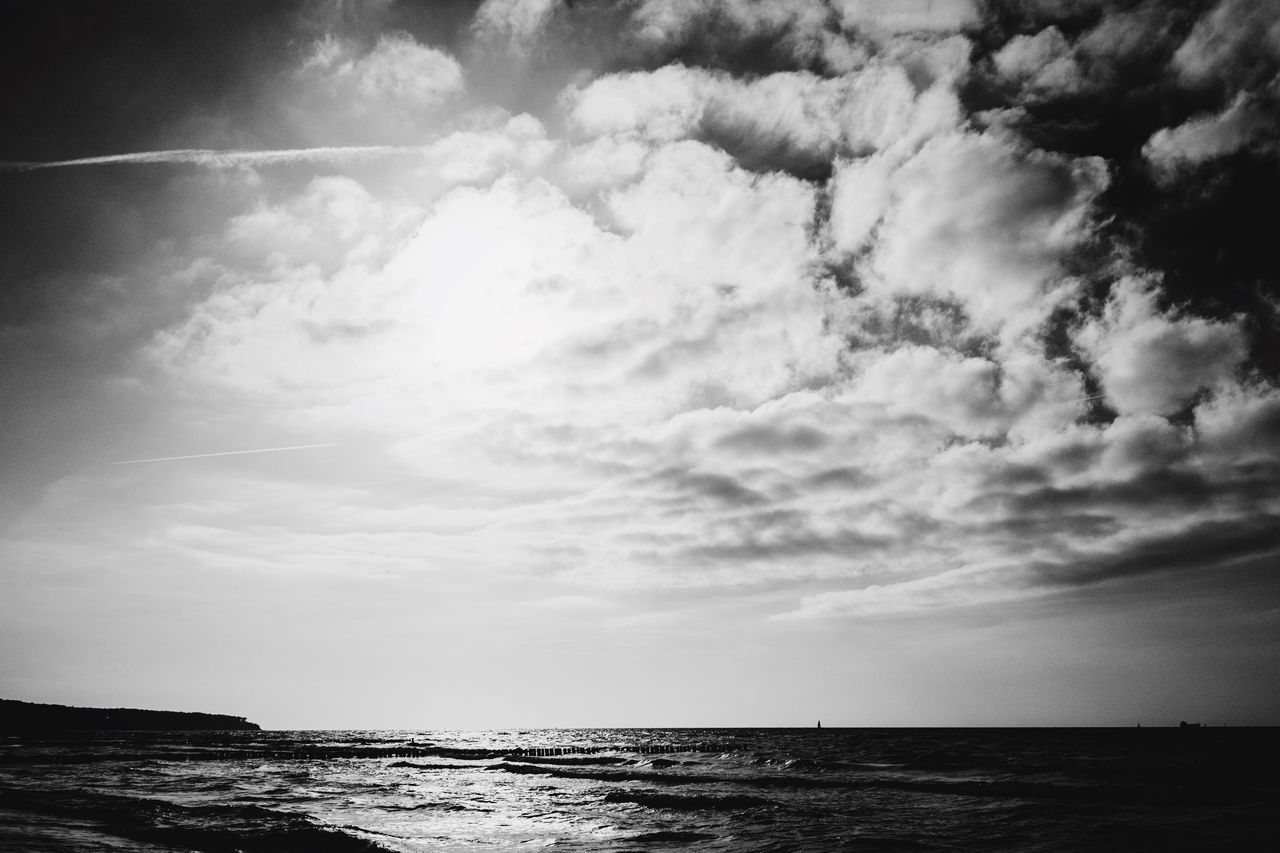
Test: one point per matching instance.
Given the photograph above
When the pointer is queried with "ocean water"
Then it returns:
(644, 790)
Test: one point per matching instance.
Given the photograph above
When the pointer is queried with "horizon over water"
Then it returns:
(622, 789)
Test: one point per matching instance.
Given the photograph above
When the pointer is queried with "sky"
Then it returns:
(655, 363)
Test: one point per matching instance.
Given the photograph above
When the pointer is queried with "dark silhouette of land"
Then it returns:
(35, 718)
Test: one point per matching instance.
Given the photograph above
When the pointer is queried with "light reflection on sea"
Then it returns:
(615, 790)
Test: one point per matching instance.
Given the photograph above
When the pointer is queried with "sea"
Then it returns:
(571, 790)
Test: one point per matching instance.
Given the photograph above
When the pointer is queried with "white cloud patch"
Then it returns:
(391, 92)
(1228, 43)
(1152, 361)
(1245, 123)
(908, 16)
(969, 217)
(961, 393)
(1042, 63)
(784, 117)
(334, 223)
(518, 21)
(944, 590)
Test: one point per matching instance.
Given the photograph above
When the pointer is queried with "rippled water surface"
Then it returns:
(644, 789)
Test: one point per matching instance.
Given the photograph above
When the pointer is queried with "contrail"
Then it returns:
(223, 453)
(212, 158)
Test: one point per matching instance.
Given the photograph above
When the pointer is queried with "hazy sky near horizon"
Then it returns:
(658, 362)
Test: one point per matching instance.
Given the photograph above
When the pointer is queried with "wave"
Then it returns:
(640, 775)
(687, 803)
(248, 829)
(670, 835)
(442, 807)
(988, 789)
(661, 763)
(584, 761)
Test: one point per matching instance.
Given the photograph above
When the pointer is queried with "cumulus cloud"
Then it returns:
(398, 71)
(389, 92)
(1041, 63)
(333, 223)
(732, 32)
(1151, 361)
(972, 218)
(1245, 123)
(793, 120)
(911, 16)
(517, 21)
(1237, 41)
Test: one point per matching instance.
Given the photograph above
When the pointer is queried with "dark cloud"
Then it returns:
(919, 321)
(771, 440)
(1208, 545)
(846, 477)
(1152, 491)
(739, 37)
(768, 542)
(719, 488)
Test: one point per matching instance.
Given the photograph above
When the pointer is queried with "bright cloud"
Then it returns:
(970, 218)
(1242, 124)
(390, 93)
(1153, 362)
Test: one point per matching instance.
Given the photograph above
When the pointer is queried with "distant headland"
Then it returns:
(35, 718)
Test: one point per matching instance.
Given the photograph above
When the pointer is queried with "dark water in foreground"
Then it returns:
(644, 789)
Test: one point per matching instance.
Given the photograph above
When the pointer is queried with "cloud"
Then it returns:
(517, 21)
(1041, 63)
(391, 92)
(961, 393)
(908, 16)
(663, 105)
(807, 335)
(746, 34)
(947, 589)
(398, 72)
(1236, 42)
(1245, 123)
(649, 387)
(1151, 361)
(972, 218)
(1241, 423)
(796, 121)
(1119, 42)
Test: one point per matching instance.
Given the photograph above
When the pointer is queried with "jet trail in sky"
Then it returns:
(223, 453)
(220, 159)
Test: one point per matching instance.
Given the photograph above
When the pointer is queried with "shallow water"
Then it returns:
(643, 789)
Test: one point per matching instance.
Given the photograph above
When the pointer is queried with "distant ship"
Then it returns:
(819, 723)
